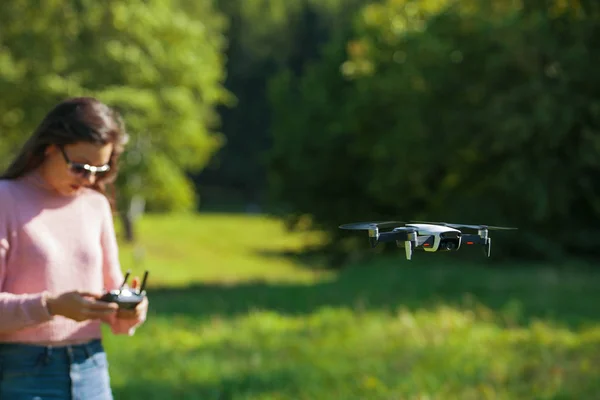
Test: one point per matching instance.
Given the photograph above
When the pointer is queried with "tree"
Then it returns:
(468, 111)
(159, 62)
(265, 37)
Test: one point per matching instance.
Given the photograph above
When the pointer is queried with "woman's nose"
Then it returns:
(90, 178)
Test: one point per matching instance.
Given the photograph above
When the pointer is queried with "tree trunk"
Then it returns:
(128, 228)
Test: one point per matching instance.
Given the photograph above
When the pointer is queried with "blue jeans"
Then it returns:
(78, 372)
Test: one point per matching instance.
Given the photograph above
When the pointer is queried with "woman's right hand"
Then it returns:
(80, 306)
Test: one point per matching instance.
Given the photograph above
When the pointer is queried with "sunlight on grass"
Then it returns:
(182, 249)
(337, 353)
(232, 317)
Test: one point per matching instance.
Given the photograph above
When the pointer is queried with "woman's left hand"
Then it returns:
(136, 313)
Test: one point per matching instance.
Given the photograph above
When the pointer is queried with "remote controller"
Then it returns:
(126, 298)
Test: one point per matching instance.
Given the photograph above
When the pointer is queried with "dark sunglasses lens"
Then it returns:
(79, 170)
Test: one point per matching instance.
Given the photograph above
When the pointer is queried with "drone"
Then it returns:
(427, 236)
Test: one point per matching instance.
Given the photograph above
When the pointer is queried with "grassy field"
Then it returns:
(233, 317)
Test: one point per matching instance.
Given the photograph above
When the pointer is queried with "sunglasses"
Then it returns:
(84, 170)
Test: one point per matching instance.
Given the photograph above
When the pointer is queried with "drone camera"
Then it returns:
(449, 244)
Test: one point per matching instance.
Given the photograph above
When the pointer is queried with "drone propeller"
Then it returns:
(482, 227)
(477, 227)
(364, 226)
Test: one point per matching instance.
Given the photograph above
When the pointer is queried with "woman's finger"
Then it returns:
(100, 305)
(127, 314)
(95, 313)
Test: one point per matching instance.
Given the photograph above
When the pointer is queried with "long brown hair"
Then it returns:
(79, 119)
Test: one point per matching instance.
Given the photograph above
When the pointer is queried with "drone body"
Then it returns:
(426, 236)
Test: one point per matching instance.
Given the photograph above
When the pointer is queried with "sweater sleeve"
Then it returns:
(17, 311)
(113, 277)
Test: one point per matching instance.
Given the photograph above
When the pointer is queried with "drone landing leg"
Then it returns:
(488, 247)
(408, 249)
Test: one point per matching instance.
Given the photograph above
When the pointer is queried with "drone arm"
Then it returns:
(472, 239)
(393, 236)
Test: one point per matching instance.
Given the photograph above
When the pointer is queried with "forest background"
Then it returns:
(327, 111)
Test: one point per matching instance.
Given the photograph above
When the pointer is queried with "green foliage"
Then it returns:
(233, 317)
(471, 112)
(159, 64)
(265, 36)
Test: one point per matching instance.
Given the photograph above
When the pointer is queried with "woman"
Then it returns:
(58, 253)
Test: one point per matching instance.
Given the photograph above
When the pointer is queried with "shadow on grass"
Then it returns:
(520, 294)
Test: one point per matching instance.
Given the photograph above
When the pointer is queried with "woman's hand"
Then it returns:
(136, 313)
(80, 306)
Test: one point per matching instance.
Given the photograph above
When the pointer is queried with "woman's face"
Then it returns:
(69, 169)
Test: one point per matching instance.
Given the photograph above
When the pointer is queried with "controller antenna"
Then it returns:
(143, 286)
(125, 278)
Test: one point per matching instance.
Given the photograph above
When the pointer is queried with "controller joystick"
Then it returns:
(126, 298)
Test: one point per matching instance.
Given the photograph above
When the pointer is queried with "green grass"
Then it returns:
(233, 317)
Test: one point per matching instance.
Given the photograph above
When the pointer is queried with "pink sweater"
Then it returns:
(50, 244)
